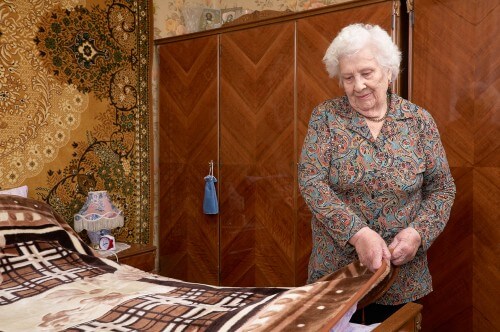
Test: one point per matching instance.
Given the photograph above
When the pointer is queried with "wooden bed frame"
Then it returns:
(408, 318)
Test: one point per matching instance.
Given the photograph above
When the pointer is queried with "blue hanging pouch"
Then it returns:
(210, 203)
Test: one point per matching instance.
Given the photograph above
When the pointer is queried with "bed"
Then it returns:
(52, 281)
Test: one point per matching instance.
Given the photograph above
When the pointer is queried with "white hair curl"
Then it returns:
(353, 38)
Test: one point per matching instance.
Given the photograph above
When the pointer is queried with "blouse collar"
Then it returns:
(400, 110)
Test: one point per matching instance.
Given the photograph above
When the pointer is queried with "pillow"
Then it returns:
(19, 191)
(25, 219)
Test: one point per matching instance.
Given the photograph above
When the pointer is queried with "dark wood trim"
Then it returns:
(140, 256)
(408, 318)
(136, 249)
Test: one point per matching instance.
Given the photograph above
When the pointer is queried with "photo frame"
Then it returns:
(209, 19)
(230, 14)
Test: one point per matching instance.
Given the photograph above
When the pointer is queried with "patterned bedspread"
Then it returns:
(47, 287)
(52, 281)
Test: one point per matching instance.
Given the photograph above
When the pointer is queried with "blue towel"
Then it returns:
(210, 204)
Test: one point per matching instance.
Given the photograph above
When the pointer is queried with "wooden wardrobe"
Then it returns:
(455, 74)
(242, 96)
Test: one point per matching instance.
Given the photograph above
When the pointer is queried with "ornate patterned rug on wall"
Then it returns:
(75, 104)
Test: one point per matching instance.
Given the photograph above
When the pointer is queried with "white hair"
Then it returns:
(355, 37)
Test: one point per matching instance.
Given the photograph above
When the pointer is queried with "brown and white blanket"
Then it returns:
(52, 281)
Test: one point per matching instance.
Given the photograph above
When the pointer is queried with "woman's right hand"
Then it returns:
(371, 248)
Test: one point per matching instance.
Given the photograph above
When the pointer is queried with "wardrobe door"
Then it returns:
(257, 169)
(314, 35)
(455, 77)
(188, 239)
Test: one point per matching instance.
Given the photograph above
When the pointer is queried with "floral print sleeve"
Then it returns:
(314, 170)
(438, 188)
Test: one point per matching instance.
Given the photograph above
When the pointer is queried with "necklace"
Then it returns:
(374, 119)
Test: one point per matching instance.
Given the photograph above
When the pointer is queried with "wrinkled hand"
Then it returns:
(371, 248)
(404, 246)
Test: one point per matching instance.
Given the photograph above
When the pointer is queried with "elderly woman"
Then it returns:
(373, 171)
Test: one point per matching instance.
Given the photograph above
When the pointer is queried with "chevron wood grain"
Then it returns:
(449, 263)
(455, 76)
(487, 85)
(439, 62)
(256, 156)
(188, 140)
(486, 248)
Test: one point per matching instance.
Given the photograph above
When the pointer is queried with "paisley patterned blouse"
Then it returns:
(350, 180)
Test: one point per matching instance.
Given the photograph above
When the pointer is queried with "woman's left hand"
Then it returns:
(404, 246)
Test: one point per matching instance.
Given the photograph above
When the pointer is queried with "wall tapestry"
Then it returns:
(75, 111)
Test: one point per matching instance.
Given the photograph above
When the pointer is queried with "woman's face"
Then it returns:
(365, 82)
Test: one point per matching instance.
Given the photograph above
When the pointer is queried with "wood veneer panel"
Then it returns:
(442, 83)
(455, 76)
(256, 156)
(314, 35)
(450, 259)
(188, 246)
(486, 249)
(443, 73)
(486, 18)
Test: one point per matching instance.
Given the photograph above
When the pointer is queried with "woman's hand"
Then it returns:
(404, 246)
(371, 248)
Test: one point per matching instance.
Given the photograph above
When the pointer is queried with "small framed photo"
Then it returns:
(230, 14)
(210, 19)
